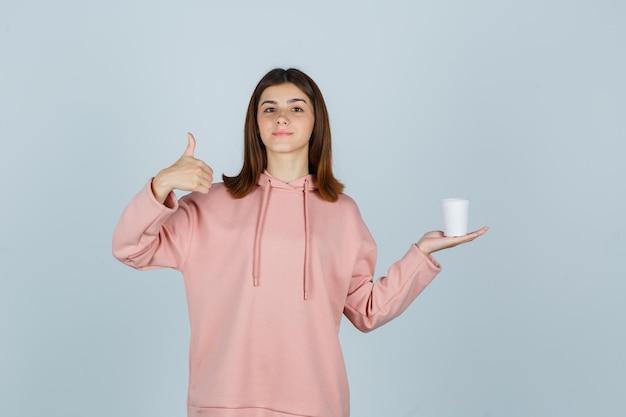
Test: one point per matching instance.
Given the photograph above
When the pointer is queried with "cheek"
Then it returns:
(312, 125)
(260, 126)
(264, 129)
(264, 123)
(262, 136)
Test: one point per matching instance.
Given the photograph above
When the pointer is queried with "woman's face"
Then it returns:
(285, 118)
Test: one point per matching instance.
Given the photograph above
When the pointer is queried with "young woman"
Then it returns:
(271, 259)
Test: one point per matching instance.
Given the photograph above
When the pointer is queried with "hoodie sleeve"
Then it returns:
(152, 235)
(370, 305)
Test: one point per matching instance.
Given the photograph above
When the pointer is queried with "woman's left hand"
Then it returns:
(434, 241)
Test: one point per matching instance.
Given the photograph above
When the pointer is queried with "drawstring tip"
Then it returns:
(256, 282)
(306, 295)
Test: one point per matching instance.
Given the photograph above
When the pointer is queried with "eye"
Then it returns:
(297, 109)
(269, 110)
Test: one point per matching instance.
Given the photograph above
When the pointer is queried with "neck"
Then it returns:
(287, 168)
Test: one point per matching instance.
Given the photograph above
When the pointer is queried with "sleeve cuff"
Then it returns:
(430, 258)
(171, 202)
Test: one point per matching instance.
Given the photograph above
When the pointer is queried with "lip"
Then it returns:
(282, 133)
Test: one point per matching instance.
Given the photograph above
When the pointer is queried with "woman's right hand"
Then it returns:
(186, 174)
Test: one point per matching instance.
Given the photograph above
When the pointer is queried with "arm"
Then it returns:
(370, 305)
(150, 234)
(154, 229)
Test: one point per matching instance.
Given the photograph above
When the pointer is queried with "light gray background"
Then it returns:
(518, 105)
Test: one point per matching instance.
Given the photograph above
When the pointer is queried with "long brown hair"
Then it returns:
(320, 150)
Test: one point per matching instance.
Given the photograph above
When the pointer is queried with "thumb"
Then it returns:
(191, 145)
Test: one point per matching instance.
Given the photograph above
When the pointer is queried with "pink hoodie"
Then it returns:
(267, 279)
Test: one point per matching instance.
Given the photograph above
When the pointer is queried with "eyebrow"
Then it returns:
(293, 100)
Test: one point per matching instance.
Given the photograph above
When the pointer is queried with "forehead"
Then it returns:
(283, 92)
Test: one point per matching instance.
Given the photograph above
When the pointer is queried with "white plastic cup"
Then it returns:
(455, 212)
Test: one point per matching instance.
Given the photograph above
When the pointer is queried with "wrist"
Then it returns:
(159, 189)
(425, 252)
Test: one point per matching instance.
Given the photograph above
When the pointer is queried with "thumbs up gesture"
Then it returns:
(186, 174)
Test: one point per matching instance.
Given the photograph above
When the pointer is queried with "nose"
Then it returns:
(281, 118)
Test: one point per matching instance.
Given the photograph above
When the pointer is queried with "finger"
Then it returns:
(203, 188)
(201, 167)
(480, 231)
(204, 173)
(473, 235)
(195, 169)
(191, 145)
(205, 178)
(206, 168)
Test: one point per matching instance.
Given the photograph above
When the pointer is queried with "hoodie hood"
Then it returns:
(302, 185)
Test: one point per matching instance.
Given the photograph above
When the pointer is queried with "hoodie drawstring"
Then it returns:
(256, 262)
(259, 231)
(307, 243)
